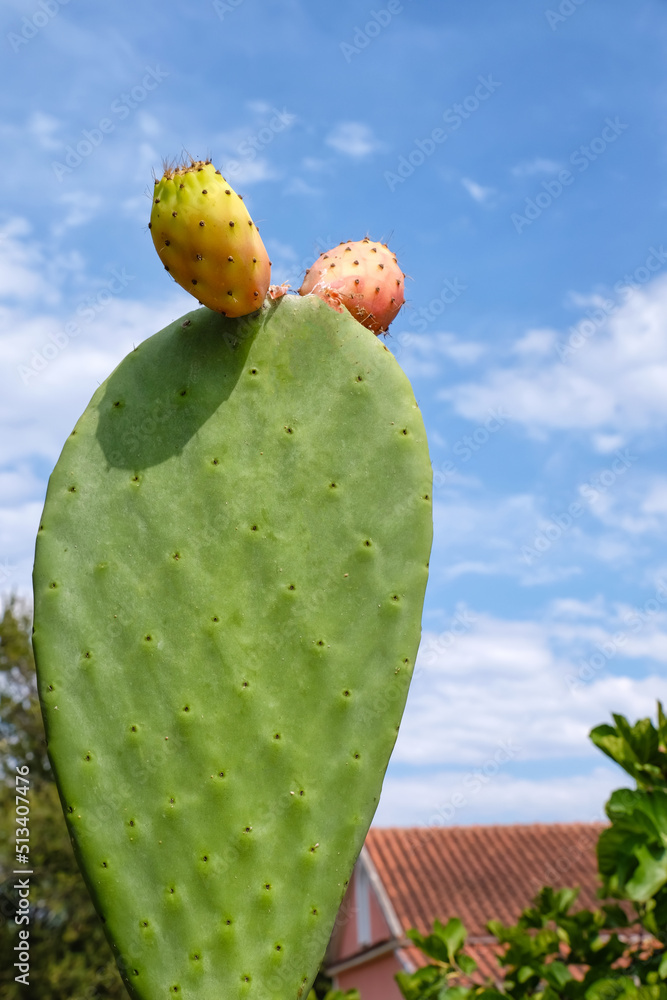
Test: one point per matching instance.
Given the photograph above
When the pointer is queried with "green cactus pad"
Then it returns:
(229, 579)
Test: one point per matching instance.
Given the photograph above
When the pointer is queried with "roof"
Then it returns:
(480, 873)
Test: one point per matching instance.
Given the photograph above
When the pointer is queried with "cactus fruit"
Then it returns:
(362, 277)
(229, 579)
(207, 241)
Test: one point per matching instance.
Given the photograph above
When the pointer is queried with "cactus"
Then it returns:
(362, 277)
(207, 241)
(229, 579)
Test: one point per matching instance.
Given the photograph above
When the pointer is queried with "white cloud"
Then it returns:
(638, 510)
(569, 607)
(613, 514)
(298, 186)
(509, 676)
(538, 343)
(18, 530)
(42, 127)
(136, 208)
(453, 798)
(426, 355)
(315, 164)
(353, 139)
(23, 267)
(605, 444)
(493, 699)
(484, 535)
(249, 172)
(81, 208)
(610, 381)
(258, 107)
(246, 149)
(540, 165)
(149, 124)
(47, 378)
(476, 191)
(656, 499)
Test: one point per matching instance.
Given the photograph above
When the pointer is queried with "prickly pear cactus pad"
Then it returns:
(229, 579)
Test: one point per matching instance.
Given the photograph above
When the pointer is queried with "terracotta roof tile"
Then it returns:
(481, 873)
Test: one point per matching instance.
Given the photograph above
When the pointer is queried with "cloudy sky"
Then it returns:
(513, 155)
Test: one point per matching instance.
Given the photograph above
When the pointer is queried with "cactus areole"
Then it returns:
(229, 579)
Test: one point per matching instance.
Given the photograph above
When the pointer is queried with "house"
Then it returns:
(407, 877)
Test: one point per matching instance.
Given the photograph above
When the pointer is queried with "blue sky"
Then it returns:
(513, 156)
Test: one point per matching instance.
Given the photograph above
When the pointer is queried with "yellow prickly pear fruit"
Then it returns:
(207, 241)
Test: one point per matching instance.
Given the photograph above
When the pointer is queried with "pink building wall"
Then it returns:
(347, 940)
(374, 980)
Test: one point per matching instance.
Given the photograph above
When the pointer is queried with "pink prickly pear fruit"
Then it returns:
(207, 241)
(363, 277)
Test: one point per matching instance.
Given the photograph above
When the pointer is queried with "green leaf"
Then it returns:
(642, 738)
(610, 989)
(432, 945)
(525, 973)
(556, 974)
(662, 968)
(466, 964)
(615, 916)
(662, 725)
(650, 874)
(337, 995)
(632, 853)
(638, 749)
(608, 739)
(420, 985)
(455, 993)
(454, 933)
